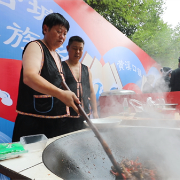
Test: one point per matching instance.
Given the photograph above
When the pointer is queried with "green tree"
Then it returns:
(156, 40)
(161, 42)
(127, 15)
(175, 46)
(140, 20)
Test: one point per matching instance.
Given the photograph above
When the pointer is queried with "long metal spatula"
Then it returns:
(96, 132)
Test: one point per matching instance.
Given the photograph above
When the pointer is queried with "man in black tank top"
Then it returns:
(79, 79)
(43, 105)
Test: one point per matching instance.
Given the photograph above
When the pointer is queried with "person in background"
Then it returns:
(163, 83)
(42, 104)
(175, 76)
(79, 79)
(148, 86)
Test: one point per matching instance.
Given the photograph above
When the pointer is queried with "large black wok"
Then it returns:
(80, 156)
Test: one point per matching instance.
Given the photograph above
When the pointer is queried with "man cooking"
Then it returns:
(79, 79)
(42, 105)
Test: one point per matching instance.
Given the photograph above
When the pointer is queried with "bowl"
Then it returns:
(104, 123)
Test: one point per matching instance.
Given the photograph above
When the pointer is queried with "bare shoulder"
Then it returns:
(32, 57)
(33, 48)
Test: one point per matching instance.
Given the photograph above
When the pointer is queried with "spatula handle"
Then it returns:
(96, 132)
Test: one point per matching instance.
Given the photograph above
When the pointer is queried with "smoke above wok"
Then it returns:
(81, 156)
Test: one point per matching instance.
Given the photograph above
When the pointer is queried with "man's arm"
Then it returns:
(93, 97)
(31, 66)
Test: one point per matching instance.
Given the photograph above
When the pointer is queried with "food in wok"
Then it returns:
(134, 170)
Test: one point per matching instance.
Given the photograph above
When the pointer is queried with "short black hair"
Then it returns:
(54, 19)
(179, 59)
(75, 38)
(166, 69)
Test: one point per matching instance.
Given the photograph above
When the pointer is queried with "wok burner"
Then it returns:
(81, 156)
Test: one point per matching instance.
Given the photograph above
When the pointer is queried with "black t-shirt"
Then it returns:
(175, 80)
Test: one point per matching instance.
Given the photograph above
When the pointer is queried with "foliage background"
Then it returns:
(140, 20)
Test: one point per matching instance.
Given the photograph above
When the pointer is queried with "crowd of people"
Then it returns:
(168, 81)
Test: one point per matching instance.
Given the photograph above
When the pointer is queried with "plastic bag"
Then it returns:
(11, 150)
(138, 106)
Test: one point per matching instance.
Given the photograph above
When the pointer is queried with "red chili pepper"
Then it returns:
(124, 176)
(152, 174)
(115, 173)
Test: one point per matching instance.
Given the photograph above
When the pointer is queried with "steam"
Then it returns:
(151, 113)
(152, 145)
(157, 138)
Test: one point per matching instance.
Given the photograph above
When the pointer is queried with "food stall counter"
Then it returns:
(29, 165)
